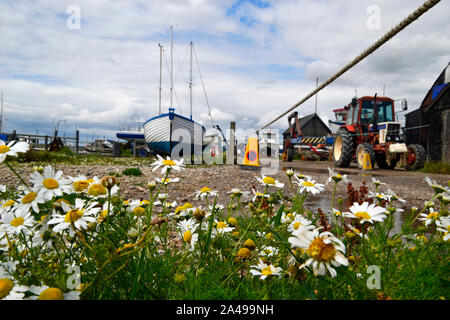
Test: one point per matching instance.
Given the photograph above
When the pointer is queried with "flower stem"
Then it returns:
(17, 175)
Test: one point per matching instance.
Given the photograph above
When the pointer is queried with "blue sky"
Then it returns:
(257, 59)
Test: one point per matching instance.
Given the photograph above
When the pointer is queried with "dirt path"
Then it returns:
(409, 185)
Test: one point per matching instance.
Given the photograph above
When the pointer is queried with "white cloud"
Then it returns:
(106, 74)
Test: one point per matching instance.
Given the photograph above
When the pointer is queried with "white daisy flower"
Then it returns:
(167, 180)
(336, 212)
(166, 164)
(288, 217)
(51, 184)
(205, 192)
(2, 188)
(9, 289)
(96, 190)
(43, 237)
(12, 149)
(18, 221)
(258, 195)
(393, 196)
(264, 270)
(324, 250)
(377, 182)
(188, 232)
(270, 182)
(366, 212)
(430, 218)
(310, 186)
(47, 293)
(81, 183)
(379, 196)
(436, 187)
(356, 231)
(300, 176)
(218, 207)
(221, 227)
(81, 216)
(300, 222)
(30, 200)
(443, 225)
(268, 251)
(336, 177)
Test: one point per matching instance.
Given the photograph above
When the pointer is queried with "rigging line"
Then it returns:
(402, 25)
(179, 66)
(174, 91)
(203, 85)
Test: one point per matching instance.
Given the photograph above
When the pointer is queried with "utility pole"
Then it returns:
(190, 82)
(317, 84)
(160, 74)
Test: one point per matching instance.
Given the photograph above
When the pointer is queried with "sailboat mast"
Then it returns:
(160, 74)
(190, 82)
(1, 114)
(171, 66)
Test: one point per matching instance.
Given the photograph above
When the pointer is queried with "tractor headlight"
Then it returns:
(397, 139)
(388, 138)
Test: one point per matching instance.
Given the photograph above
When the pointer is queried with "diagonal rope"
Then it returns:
(402, 25)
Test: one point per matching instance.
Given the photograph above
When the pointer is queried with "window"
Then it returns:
(385, 113)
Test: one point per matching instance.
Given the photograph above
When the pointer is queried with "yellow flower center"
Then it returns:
(29, 197)
(6, 285)
(308, 184)
(363, 215)
(290, 216)
(58, 203)
(8, 203)
(205, 190)
(232, 221)
(269, 236)
(179, 209)
(17, 222)
(102, 216)
(169, 163)
(81, 185)
(269, 180)
(138, 211)
(42, 218)
(244, 253)
(221, 225)
(338, 213)
(4, 149)
(338, 176)
(96, 190)
(73, 215)
(187, 236)
(267, 271)
(433, 215)
(144, 202)
(50, 183)
(250, 244)
(187, 205)
(51, 294)
(320, 251)
(297, 225)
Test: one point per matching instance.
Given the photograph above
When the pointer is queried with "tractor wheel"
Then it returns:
(290, 154)
(362, 149)
(342, 148)
(382, 163)
(415, 157)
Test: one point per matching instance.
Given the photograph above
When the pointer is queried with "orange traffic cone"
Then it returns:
(251, 155)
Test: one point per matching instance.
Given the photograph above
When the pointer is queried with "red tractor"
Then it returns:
(370, 127)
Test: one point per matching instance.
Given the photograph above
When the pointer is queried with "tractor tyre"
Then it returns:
(361, 149)
(342, 148)
(382, 163)
(289, 154)
(415, 158)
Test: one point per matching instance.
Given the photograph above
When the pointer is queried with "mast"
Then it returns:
(1, 114)
(190, 82)
(160, 74)
(171, 66)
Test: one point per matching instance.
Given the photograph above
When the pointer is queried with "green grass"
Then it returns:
(436, 167)
(132, 172)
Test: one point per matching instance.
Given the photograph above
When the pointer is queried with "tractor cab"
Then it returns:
(370, 128)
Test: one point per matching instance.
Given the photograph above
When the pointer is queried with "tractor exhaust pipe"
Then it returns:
(375, 114)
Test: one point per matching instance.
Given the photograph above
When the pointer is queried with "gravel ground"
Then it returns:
(408, 185)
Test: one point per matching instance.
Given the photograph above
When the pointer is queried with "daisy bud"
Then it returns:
(179, 278)
(199, 214)
(414, 210)
(290, 173)
(151, 185)
(108, 182)
(391, 210)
